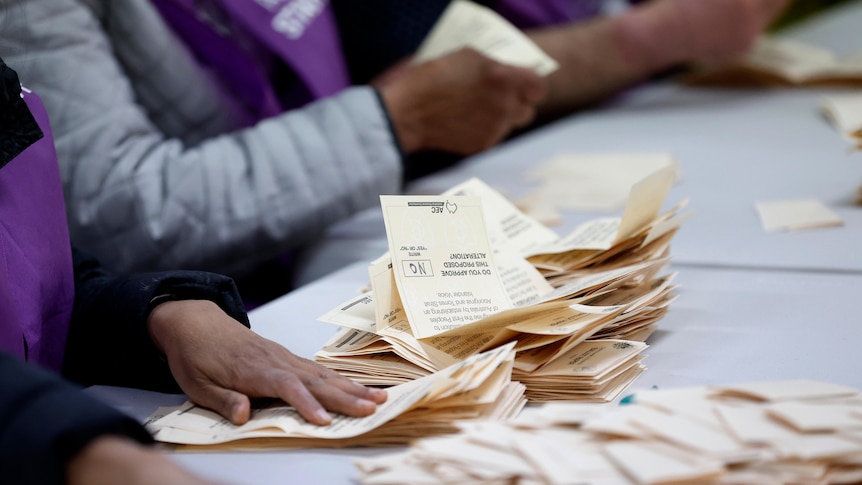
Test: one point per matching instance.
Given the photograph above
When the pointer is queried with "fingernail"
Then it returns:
(236, 411)
(323, 416)
(366, 404)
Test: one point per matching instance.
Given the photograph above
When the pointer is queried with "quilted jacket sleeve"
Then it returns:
(148, 187)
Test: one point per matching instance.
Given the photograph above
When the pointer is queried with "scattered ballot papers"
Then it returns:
(796, 215)
(786, 432)
(467, 272)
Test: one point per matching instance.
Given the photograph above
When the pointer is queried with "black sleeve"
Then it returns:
(44, 421)
(108, 340)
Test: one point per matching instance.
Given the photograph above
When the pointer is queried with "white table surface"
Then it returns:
(729, 325)
(735, 146)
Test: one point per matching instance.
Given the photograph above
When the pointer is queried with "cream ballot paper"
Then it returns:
(443, 264)
(467, 24)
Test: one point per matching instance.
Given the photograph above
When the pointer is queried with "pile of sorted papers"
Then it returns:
(468, 272)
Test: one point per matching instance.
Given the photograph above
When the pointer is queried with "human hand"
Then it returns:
(681, 31)
(109, 460)
(220, 364)
(463, 102)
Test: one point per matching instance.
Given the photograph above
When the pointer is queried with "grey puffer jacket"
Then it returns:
(155, 175)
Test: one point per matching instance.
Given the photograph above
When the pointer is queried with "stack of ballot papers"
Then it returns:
(477, 388)
(468, 272)
(773, 61)
(787, 432)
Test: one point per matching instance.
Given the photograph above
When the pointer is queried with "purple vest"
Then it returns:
(300, 33)
(304, 35)
(527, 14)
(36, 281)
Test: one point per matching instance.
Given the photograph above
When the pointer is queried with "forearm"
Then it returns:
(601, 57)
(592, 64)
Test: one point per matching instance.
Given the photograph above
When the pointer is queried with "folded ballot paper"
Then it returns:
(479, 387)
(796, 215)
(844, 111)
(785, 432)
(773, 61)
(465, 24)
(467, 272)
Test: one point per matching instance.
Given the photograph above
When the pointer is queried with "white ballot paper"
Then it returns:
(796, 215)
(794, 61)
(443, 264)
(466, 24)
(508, 228)
(778, 61)
(642, 208)
(596, 181)
(844, 111)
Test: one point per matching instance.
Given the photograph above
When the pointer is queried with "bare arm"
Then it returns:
(600, 57)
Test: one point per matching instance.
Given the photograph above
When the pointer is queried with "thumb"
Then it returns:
(230, 404)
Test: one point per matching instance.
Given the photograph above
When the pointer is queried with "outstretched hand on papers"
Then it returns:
(221, 364)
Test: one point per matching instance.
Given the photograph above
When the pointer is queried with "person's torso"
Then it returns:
(280, 54)
(272, 54)
(36, 280)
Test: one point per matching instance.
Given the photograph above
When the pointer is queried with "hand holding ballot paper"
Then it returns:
(492, 85)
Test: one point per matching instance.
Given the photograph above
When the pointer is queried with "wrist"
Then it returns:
(407, 127)
(168, 320)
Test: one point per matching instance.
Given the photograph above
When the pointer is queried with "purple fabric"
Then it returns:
(301, 33)
(242, 71)
(36, 280)
(527, 14)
